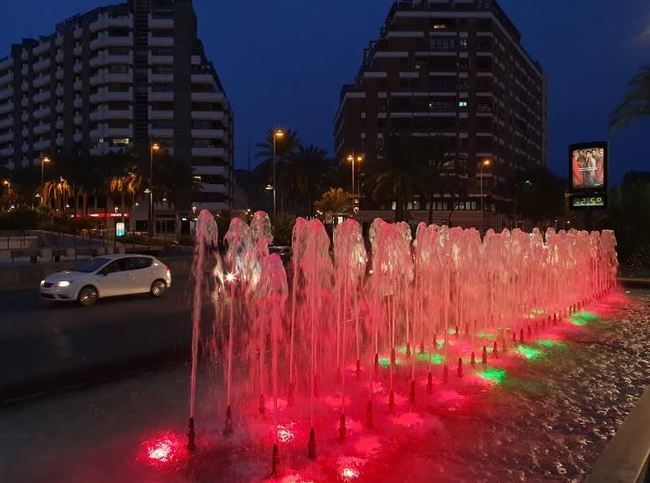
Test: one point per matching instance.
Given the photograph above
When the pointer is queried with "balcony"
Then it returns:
(59, 124)
(215, 188)
(42, 97)
(120, 96)
(59, 107)
(59, 57)
(42, 145)
(208, 133)
(6, 107)
(161, 59)
(161, 96)
(77, 86)
(58, 75)
(6, 63)
(162, 78)
(6, 137)
(207, 97)
(40, 49)
(24, 102)
(24, 86)
(211, 170)
(41, 113)
(208, 115)
(161, 41)
(77, 137)
(104, 114)
(24, 70)
(161, 133)
(161, 115)
(42, 129)
(6, 122)
(204, 79)
(42, 81)
(78, 32)
(7, 78)
(161, 23)
(77, 102)
(59, 91)
(208, 152)
(120, 41)
(77, 51)
(41, 65)
(6, 93)
(59, 40)
(59, 140)
(7, 151)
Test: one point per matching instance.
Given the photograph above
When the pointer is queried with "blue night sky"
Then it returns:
(283, 62)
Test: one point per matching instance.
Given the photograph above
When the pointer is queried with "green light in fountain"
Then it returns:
(384, 361)
(494, 375)
(486, 335)
(529, 352)
(551, 344)
(582, 318)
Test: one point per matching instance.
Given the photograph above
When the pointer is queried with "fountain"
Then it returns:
(352, 331)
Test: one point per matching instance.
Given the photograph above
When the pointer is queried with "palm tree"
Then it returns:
(637, 100)
(175, 183)
(57, 192)
(400, 175)
(123, 184)
(336, 201)
(308, 166)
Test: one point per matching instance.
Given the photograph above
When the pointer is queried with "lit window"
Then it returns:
(462, 103)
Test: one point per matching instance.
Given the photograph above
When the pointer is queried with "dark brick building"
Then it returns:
(454, 69)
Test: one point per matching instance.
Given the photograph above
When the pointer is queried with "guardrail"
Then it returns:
(627, 456)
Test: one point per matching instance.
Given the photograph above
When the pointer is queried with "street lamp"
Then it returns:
(45, 160)
(352, 158)
(154, 148)
(486, 163)
(277, 134)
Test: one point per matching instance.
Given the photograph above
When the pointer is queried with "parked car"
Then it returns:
(107, 276)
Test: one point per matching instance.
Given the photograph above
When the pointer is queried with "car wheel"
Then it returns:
(158, 288)
(88, 296)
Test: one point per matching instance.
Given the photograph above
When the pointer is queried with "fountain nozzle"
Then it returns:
(430, 383)
(460, 367)
(191, 435)
(275, 461)
(342, 430)
(484, 357)
(391, 400)
(311, 446)
(228, 426)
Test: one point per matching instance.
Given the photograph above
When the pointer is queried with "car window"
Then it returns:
(117, 266)
(138, 263)
(89, 266)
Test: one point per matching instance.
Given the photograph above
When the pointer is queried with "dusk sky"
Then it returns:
(283, 63)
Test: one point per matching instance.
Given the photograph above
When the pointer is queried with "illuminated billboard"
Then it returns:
(588, 175)
(588, 167)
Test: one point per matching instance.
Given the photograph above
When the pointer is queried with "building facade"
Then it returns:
(115, 78)
(456, 70)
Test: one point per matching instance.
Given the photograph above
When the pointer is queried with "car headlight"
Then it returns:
(63, 284)
(42, 282)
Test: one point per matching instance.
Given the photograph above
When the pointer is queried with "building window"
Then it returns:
(443, 43)
(462, 104)
(162, 87)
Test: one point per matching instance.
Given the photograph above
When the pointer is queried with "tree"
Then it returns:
(539, 195)
(56, 193)
(336, 201)
(637, 100)
(437, 180)
(174, 184)
(307, 169)
(400, 175)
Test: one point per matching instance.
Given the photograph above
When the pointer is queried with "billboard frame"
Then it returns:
(592, 145)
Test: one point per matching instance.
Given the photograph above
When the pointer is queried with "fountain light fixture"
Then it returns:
(230, 277)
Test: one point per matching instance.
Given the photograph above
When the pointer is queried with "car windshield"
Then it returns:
(91, 265)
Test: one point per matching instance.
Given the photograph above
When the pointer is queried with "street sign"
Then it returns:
(120, 228)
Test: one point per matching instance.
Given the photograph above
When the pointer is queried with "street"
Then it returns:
(43, 345)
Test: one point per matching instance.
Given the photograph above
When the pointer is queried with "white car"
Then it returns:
(107, 276)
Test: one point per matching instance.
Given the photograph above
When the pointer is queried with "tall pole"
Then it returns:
(275, 181)
(151, 214)
(354, 186)
(482, 208)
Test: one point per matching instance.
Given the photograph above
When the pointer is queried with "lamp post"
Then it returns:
(277, 134)
(154, 148)
(486, 163)
(45, 160)
(352, 158)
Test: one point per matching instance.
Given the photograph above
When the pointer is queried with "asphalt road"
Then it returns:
(43, 345)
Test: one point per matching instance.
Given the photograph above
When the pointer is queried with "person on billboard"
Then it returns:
(578, 177)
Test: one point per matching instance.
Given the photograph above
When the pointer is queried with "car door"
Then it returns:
(140, 270)
(114, 279)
